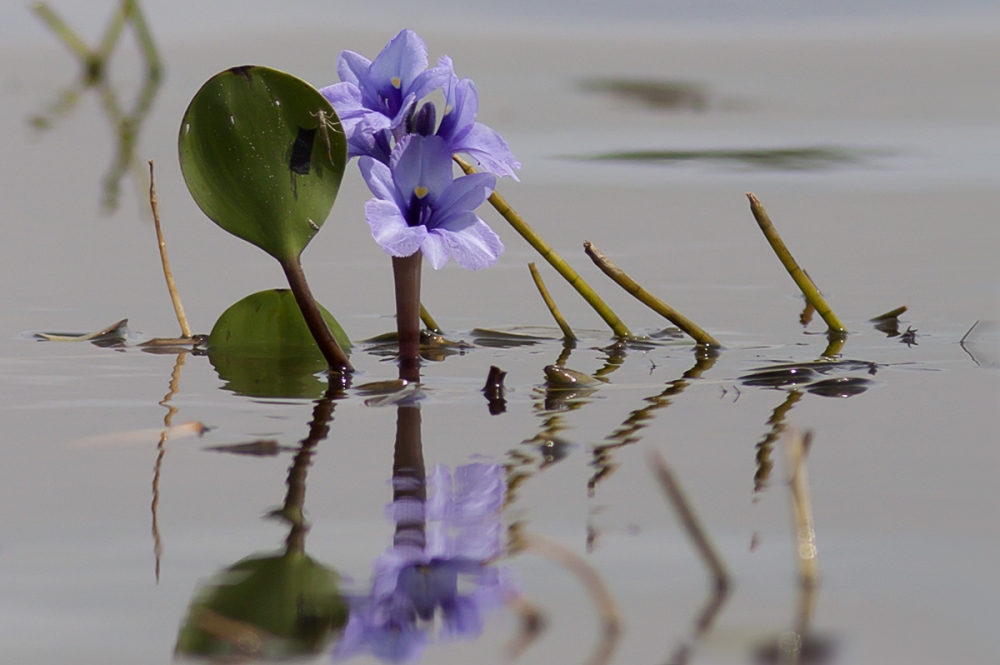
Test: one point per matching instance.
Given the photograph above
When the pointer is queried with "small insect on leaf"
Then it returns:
(326, 125)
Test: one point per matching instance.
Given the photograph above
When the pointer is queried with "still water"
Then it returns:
(871, 137)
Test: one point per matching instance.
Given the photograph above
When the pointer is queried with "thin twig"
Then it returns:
(551, 304)
(175, 297)
(802, 280)
(647, 298)
(556, 261)
(673, 491)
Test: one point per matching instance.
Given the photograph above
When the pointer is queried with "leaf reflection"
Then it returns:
(272, 606)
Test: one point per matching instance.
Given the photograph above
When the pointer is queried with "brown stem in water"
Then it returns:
(406, 274)
(334, 355)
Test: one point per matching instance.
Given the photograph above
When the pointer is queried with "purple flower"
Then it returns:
(378, 94)
(418, 206)
(463, 134)
(377, 100)
(414, 585)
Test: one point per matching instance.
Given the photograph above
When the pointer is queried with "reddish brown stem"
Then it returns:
(334, 355)
(406, 273)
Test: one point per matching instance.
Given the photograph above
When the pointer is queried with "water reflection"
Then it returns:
(273, 605)
(628, 432)
(126, 124)
(813, 377)
(437, 579)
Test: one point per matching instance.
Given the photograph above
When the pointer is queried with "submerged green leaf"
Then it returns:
(263, 154)
(262, 347)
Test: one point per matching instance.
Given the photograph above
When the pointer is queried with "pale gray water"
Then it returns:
(903, 476)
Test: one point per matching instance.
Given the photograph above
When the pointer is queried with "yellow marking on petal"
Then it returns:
(447, 109)
(396, 82)
(420, 192)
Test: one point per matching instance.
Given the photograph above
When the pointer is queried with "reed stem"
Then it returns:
(802, 280)
(619, 276)
(556, 261)
(551, 304)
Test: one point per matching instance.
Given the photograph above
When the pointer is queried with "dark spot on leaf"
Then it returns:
(301, 161)
(243, 71)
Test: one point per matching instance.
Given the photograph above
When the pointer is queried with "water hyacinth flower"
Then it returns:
(377, 100)
(448, 577)
(419, 206)
(382, 91)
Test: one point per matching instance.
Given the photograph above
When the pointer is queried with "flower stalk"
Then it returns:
(406, 275)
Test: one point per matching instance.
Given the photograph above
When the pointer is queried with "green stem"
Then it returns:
(803, 281)
(647, 298)
(556, 261)
(334, 355)
(551, 304)
(406, 274)
(428, 320)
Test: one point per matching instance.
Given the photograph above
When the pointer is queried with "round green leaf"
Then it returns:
(263, 154)
(261, 347)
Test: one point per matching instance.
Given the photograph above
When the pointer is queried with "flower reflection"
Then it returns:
(438, 566)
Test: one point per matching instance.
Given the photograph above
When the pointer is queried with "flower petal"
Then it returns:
(436, 249)
(489, 149)
(461, 107)
(463, 194)
(353, 67)
(474, 246)
(390, 229)
(422, 162)
(379, 180)
(403, 58)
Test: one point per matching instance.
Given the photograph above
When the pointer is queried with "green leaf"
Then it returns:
(263, 154)
(261, 347)
(272, 606)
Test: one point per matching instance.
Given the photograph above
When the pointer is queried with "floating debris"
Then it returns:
(114, 335)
